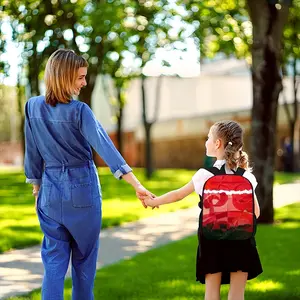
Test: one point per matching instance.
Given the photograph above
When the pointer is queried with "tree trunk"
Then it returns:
(268, 23)
(148, 151)
(120, 120)
(147, 127)
(33, 74)
(20, 96)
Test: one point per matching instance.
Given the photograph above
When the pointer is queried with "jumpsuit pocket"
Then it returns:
(44, 198)
(81, 195)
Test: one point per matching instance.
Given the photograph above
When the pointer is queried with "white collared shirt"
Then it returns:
(202, 175)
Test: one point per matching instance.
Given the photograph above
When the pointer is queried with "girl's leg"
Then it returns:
(212, 286)
(238, 282)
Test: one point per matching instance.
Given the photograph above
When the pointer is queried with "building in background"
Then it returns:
(187, 109)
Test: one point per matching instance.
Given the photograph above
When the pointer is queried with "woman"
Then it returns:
(59, 135)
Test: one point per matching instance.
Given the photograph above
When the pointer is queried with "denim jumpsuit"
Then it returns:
(58, 157)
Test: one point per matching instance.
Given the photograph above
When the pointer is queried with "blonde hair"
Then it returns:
(231, 134)
(60, 75)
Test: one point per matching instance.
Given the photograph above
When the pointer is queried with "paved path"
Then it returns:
(21, 270)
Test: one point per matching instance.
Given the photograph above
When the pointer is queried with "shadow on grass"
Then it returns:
(286, 220)
(116, 221)
(29, 229)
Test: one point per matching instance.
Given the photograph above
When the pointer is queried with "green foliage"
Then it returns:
(168, 272)
(221, 26)
(291, 45)
(225, 27)
(99, 30)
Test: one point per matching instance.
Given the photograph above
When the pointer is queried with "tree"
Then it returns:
(117, 100)
(115, 66)
(94, 29)
(152, 25)
(220, 27)
(268, 20)
(39, 27)
(89, 28)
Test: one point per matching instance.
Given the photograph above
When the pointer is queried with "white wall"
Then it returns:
(181, 98)
(101, 103)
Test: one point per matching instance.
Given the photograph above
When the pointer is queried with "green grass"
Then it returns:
(19, 225)
(169, 272)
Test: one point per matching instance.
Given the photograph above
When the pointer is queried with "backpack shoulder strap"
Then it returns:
(216, 171)
(240, 171)
(213, 170)
(222, 170)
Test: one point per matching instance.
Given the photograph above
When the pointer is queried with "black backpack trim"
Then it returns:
(216, 171)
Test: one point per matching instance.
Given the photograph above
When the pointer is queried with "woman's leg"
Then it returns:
(84, 272)
(85, 247)
(212, 286)
(238, 282)
(55, 254)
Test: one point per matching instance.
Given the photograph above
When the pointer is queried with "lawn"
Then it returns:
(19, 225)
(168, 272)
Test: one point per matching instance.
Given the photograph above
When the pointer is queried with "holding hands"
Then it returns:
(150, 201)
(143, 194)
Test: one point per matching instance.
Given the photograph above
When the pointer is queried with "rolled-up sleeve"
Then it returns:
(33, 162)
(97, 137)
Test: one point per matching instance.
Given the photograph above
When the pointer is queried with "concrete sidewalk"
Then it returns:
(21, 270)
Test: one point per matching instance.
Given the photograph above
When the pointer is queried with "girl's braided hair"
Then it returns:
(231, 133)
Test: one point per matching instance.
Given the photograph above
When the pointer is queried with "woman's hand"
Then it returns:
(35, 193)
(142, 193)
(36, 198)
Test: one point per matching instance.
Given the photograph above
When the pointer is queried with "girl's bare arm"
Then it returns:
(172, 196)
(256, 207)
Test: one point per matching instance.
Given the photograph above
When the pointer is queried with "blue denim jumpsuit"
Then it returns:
(58, 157)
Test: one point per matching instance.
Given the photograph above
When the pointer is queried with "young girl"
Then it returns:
(221, 261)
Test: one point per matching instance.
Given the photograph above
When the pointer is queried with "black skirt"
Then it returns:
(214, 256)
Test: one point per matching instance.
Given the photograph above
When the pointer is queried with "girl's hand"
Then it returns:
(142, 193)
(149, 201)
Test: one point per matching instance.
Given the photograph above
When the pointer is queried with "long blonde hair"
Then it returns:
(60, 75)
(231, 134)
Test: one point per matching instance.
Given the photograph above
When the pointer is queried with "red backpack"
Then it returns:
(227, 206)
